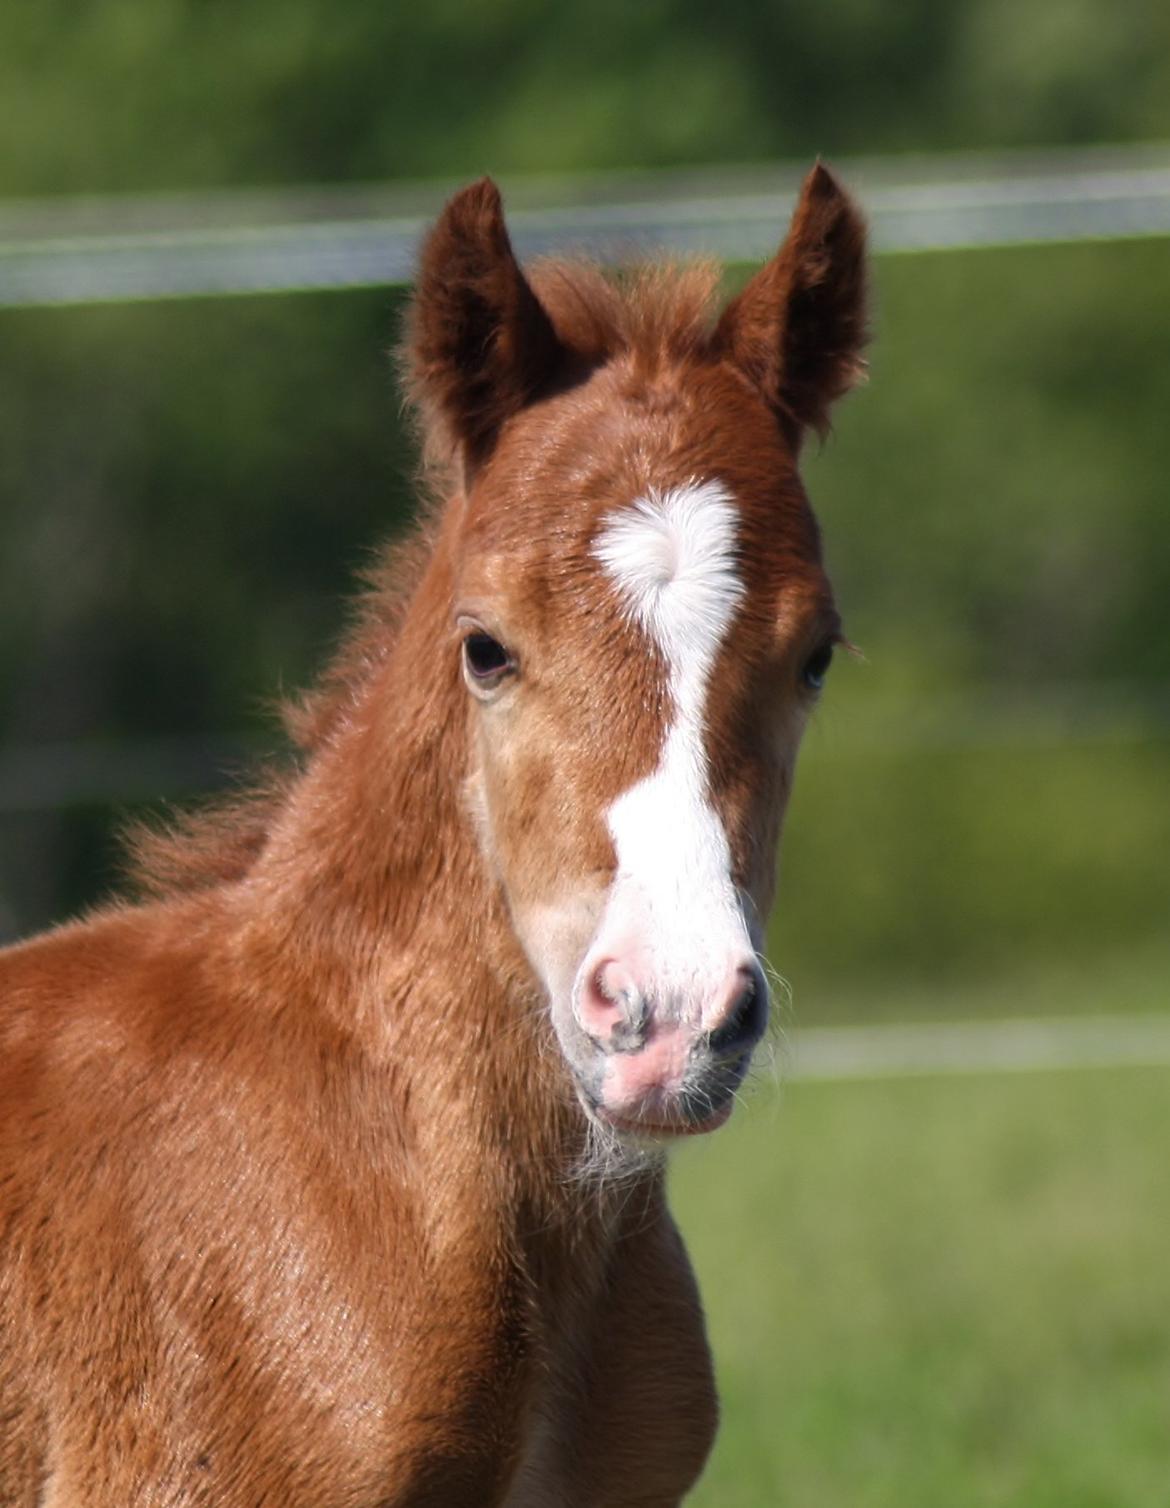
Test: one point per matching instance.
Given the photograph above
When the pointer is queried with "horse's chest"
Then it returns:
(425, 1408)
(438, 1397)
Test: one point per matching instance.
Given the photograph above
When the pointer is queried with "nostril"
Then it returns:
(746, 1016)
(611, 1007)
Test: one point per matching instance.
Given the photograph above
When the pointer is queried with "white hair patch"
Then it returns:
(671, 556)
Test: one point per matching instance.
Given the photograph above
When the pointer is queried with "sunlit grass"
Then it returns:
(931, 1293)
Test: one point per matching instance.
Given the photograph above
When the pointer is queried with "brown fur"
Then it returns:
(289, 1203)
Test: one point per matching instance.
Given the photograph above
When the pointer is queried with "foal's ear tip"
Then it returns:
(821, 182)
(482, 197)
(471, 226)
(822, 194)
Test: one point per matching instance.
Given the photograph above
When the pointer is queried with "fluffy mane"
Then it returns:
(655, 313)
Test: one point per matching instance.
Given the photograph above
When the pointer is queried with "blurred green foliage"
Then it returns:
(174, 94)
(188, 486)
(188, 490)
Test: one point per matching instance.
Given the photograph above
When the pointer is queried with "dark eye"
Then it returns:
(486, 659)
(817, 667)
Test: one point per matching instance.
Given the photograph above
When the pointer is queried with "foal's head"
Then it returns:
(641, 619)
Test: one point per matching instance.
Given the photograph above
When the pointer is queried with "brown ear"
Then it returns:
(798, 329)
(479, 344)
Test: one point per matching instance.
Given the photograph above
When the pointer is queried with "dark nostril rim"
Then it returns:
(745, 1021)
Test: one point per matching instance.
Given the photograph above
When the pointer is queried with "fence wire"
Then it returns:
(181, 246)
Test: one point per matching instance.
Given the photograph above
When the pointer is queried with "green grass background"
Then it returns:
(939, 1293)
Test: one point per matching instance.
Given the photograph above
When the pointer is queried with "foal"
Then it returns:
(332, 1177)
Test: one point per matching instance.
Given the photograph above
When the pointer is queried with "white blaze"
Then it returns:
(672, 557)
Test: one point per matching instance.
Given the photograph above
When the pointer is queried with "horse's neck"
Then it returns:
(374, 900)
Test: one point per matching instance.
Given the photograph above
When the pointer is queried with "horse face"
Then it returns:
(642, 621)
(641, 644)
